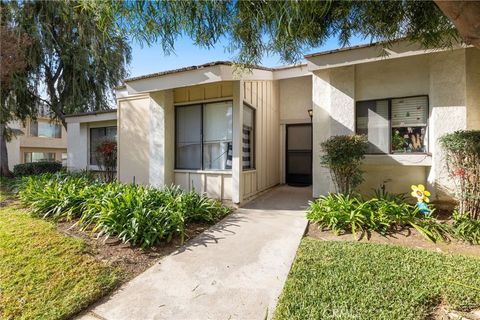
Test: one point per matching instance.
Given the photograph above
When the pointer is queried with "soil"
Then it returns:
(407, 237)
(130, 260)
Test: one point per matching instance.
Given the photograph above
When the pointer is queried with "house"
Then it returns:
(37, 140)
(232, 133)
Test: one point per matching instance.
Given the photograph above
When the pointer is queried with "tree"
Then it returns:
(288, 28)
(14, 71)
(79, 64)
(71, 64)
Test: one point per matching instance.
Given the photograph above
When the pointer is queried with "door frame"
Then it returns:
(311, 149)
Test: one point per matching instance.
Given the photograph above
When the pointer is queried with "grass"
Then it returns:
(345, 280)
(44, 274)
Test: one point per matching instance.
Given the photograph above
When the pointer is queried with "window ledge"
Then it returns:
(203, 171)
(422, 160)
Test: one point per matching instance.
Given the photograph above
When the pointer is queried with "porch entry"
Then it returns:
(298, 158)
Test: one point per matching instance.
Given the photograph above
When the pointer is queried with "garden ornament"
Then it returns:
(421, 195)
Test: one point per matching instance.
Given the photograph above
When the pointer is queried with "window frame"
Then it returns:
(389, 100)
(202, 106)
(90, 142)
(50, 123)
(44, 152)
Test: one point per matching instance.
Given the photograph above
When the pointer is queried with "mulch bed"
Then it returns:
(407, 237)
(129, 259)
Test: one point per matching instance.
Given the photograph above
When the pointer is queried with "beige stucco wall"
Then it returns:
(263, 97)
(295, 99)
(440, 75)
(134, 140)
(27, 143)
(473, 88)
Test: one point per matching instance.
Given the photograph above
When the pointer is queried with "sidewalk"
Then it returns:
(234, 270)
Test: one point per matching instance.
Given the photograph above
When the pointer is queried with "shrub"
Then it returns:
(463, 163)
(340, 212)
(343, 156)
(466, 228)
(106, 155)
(142, 216)
(33, 168)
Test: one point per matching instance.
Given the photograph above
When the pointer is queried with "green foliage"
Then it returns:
(44, 274)
(28, 169)
(343, 156)
(381, 193)
(142, 216)
(288, 28)
(348, 280)
(466, 228)
(340, 213)
(463, 162)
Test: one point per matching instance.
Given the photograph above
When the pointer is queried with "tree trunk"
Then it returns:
(465, 15)
(4, 170)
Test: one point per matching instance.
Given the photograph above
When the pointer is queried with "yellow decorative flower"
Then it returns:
(420, 193)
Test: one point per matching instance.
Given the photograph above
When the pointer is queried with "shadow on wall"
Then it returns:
(396, 176)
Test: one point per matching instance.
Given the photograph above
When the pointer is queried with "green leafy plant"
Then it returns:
(341, 213)
(463, 163)
(343, 156)
(33, 168)
(466, 228)
(140, 215)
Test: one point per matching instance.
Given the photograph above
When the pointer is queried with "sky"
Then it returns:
(152, 59)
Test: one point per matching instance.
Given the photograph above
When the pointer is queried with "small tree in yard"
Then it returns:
(463, 163)
(106, 155)
(343, 156)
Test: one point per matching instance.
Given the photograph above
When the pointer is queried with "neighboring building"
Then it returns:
(85, 131)
(39, 140)
(209, 129)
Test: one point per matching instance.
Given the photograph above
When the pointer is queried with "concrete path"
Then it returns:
(234, 270)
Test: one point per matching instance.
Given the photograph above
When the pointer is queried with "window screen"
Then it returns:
(372, 121)
(396, 125)
(97, 136)
(38, 157)
(189, 137)
(45, 129)
(204, 136)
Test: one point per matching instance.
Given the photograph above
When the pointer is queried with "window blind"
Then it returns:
(409, 112)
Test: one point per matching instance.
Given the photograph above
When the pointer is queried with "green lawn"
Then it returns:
(44, 274)
(347, 280)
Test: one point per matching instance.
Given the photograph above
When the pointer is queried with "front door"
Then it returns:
(299, 154)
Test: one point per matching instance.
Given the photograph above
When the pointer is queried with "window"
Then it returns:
(397, 125)
(97, 136)
(45, 129)
(204, 136)
(248, 141)
(38, 156)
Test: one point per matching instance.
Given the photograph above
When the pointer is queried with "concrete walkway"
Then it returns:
(234, 270)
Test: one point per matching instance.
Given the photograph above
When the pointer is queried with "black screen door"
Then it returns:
(299, 154)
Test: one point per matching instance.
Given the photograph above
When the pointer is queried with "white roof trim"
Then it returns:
(92, 117)
(368, 54)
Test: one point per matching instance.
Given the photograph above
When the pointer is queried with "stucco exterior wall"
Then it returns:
(473, 88)
(442, 76)
(134, 140)
(263, 97)
(28, 143)
(333, 114)
(78, 147)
